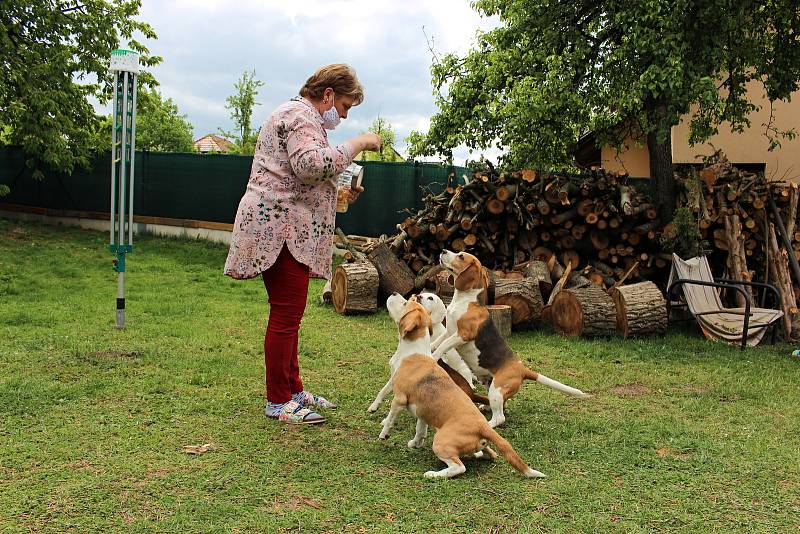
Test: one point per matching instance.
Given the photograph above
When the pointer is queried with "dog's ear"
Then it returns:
(411, 321)
(485, 285)
(470, 278)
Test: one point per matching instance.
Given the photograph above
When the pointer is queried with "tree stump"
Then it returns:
(587, 311)
(523, 296)
(500, 315)
(355, 288)
(444, 286)
(393, 274)
(641, 309)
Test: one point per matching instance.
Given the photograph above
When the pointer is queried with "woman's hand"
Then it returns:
(353, 194)
(367, 141)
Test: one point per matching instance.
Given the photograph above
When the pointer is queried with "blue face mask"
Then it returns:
(331, 118)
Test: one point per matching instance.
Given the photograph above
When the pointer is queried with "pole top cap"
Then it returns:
(124, 60)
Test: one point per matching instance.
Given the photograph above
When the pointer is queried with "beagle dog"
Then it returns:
(473, 334)
(424, 388)
(404, 313)
(438, 311)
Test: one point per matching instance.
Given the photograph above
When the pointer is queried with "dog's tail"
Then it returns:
(509, 453)
(555, 384)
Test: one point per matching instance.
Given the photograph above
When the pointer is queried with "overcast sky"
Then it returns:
(207, 44)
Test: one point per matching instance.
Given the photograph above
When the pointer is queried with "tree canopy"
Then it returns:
(159, 125)
(241, 105)
(55, 56)
(555, 69)
(385, 131)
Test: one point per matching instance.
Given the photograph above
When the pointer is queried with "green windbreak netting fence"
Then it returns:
(208, 188)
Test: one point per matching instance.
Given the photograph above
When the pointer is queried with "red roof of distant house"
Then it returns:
(213, 143)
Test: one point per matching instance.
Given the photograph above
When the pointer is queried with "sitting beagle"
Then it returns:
(425, 389)
(407, 344)
(472, 333)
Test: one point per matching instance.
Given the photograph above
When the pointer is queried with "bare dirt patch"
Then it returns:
(665, 452)
(295, 502)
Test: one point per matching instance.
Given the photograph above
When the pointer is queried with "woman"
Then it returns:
(285, 223)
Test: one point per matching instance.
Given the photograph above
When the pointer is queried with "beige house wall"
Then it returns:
(749, 146)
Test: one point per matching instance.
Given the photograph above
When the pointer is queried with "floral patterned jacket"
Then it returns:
(291, 195)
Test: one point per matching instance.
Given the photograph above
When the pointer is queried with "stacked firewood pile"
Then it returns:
(534, 292)
(749, 227)
(581, 252)
(597, 222)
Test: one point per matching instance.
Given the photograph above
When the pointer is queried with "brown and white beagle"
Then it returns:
(473, 334)
(424, 388)
(415, 325)
(438, 312)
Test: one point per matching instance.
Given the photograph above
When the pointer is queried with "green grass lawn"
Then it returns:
(683, 435)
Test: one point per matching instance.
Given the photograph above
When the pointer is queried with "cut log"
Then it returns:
(570, 257)
(791, 214)
(641, 309)
(523, 296)
(423, 278)
(597, 278)
(500, 315)
(356, 255)
(563, 278)
(780, 278)
(529, 175)
(588, 311)
(542, 253)
(737, 259)
(506, 192)
(355, 288)
(599, 240)
(516, 275)
(495, 206)
(394, 275)
(561, 218)
(538, 269)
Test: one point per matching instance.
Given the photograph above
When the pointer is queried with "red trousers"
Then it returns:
(287, 288)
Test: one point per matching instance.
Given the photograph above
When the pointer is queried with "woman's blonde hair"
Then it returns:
(338, 76)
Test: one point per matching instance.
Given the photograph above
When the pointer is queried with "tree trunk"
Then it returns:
(664, 191)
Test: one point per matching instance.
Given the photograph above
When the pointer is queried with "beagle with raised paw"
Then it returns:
(472, 333)
(424, 389)
(438, 311)
(418, 341)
